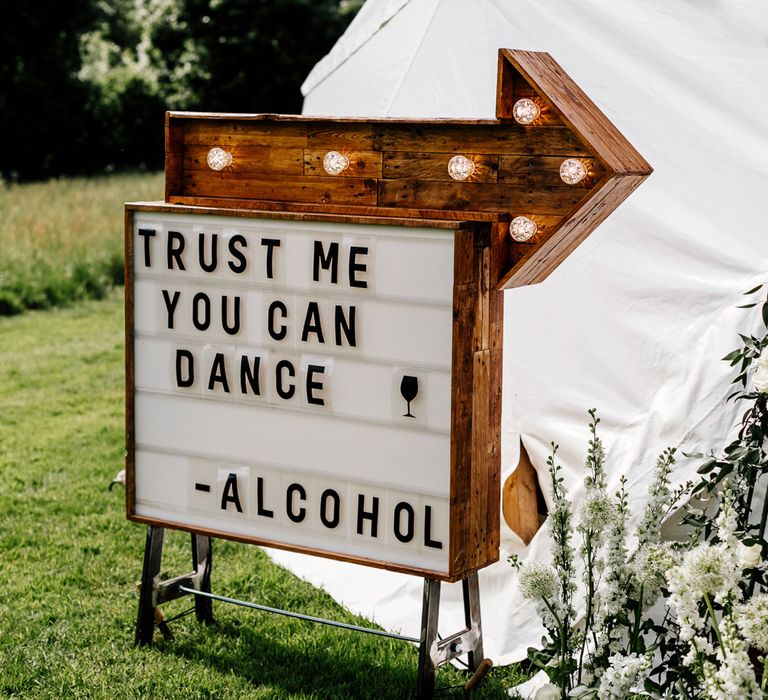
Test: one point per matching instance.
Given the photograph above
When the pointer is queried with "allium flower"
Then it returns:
(650, 566)
(709, 569)
(597, 512)
(538, 580)
(752, 618)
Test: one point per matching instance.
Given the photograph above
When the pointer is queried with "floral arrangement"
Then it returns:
(670, 619)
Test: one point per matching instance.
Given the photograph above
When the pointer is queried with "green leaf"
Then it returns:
(747, 306)
(765, 313)
(752, 291)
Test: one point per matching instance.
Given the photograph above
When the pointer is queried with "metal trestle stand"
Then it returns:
(433, 651)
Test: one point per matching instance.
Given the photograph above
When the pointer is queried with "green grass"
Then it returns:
(62, 240)
(69, 560)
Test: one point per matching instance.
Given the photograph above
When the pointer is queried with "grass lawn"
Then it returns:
(62, 240)
(69, 560)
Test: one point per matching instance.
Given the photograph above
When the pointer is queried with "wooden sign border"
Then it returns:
(475, 392)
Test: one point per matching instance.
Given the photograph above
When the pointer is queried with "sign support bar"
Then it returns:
(433, 651)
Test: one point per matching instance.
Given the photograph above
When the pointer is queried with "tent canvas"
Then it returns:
(635, 321)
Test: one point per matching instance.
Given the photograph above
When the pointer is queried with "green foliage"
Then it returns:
(63, 240)
(84, 85)
(70, 560)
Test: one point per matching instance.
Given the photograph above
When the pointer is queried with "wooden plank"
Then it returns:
(173, 158)
(335, 136)
(578, 111)
(259, 161)
(339, 210)
(590, 213)
(434, 166)
(130, 375)
(544, 170)
(297, 189)
(511, 87)
(511, 199)
(361, 164)
(234, 132)
(510, 138)
(481, 230)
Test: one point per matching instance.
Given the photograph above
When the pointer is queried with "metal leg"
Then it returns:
(425, 683)
(153, 554)
(434, 652)
(201, 562)
(471, 589)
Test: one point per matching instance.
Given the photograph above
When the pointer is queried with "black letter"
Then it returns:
(428, 541)
(279, 367)
(312, 385)
(175, 251)
(320, 259)
(295, 488)
(214, 251)
(170, 305)
(201, 325)
(252, 377)
(146, 234)
(333, 521)
(274, 333)
(218, 373)
(190, 379)
(355, 266)
(399, 508)
(312, 323)
(234, 329)
(342, 325)
(260, 509)
(372, 515)
(230, 494)
(271, 244)
(235, 253)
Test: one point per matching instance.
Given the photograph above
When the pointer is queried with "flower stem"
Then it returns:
(714, 622)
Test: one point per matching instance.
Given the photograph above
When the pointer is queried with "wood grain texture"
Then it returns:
(554, 85)
(365, 164)
(434, 166)
(520, 498)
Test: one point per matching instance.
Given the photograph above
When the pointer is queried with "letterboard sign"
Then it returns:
(292, 382)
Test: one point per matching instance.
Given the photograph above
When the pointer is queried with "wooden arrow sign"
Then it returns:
(314, 317)
(399, 168)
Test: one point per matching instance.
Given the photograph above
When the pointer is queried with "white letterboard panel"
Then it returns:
(292, 383)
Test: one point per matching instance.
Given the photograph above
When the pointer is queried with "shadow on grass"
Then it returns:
(292, 660)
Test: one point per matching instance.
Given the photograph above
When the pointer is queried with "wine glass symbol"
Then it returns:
(409, 388)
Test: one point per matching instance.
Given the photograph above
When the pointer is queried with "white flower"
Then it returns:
(622, 674)
(760, 379)
(650, 566)
(752, 618)
(749, 557)
(538, 580)
(547, 692)
(597, 512)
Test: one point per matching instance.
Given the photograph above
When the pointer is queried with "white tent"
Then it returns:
(635, 321)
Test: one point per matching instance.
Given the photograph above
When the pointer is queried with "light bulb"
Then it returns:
(525, 111)
(522, 229)
(460, 168)
(572, 171)
(335, 163)
(218, 159)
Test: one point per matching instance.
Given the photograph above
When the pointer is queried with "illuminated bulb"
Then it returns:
(460, 167)
(335, 163)
(525, 111)
(218, 159)
(522, 229)
(572, 171)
